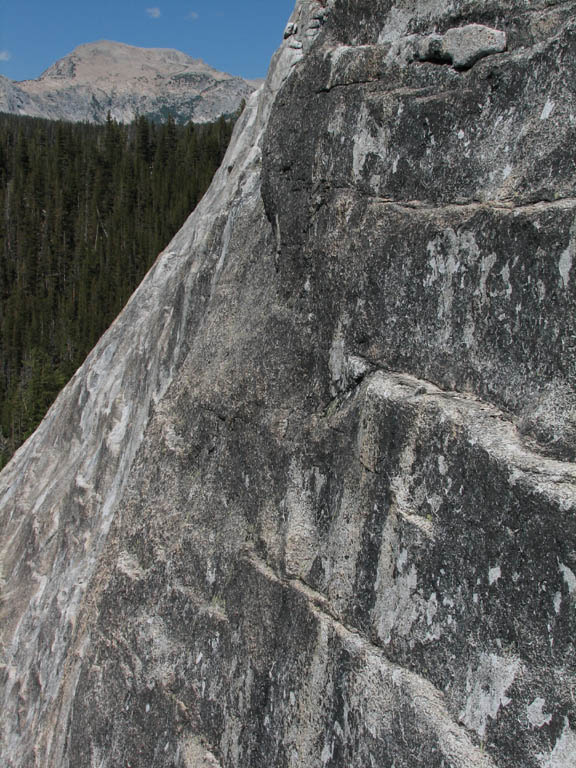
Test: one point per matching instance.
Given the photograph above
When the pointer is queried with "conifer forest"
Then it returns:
(84, 211)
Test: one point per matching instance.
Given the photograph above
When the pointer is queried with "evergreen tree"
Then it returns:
(84, 210)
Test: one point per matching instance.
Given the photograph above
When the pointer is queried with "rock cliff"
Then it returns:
(311, 501)
(126, 81)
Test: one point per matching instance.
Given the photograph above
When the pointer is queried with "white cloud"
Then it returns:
(154, 13)
(5, 55)
(193, 15)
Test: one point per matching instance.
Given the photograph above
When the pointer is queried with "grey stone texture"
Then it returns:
(312, 499)
(461, 46)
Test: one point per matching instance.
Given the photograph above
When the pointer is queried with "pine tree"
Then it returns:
(84, 210)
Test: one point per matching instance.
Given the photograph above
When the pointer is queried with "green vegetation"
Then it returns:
(84, 211)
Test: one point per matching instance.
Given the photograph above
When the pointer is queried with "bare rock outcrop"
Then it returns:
(461, 46)
(97, 79)
(311, 501)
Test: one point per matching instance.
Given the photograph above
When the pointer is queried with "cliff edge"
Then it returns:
(311, 501)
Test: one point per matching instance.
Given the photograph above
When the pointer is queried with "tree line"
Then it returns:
(84, 211)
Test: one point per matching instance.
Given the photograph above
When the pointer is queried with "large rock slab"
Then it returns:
(461, 46)
(312, 499)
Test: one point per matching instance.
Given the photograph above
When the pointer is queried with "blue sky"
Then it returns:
(236, 36)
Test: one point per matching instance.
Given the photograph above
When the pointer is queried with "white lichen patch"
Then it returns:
(327, 751)
(356, 367)
(195, 754)
(469, 332)
(120, 418)
(338, 58)
(396, 23)
(129, 566)
(172, 440)
(450, 256)
(547, 110)
(486, 267)
(369, 139)
(565, 265)
(564, 752)
(431, 608)
(300, 545)
(402, 560)
(397, 607)
(210, 573)
(443, 252)
(486, 687)
(494, 574)
(535, 713)
(567, 258)
(569, 578)
(337, 360)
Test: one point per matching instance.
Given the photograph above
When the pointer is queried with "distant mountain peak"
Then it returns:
(125, 80)
(102, 57)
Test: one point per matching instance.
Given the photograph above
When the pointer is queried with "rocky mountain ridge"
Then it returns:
(126, 81)
(312, 499)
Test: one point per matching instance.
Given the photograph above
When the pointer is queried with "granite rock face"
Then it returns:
(107, 77)
(311, 501)
(461, 46)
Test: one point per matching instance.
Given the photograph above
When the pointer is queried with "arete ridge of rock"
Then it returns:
(311, 501)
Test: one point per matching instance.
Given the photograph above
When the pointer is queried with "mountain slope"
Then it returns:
(312, 499)
(126, 81)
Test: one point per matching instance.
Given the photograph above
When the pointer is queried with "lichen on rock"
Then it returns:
(311, 501)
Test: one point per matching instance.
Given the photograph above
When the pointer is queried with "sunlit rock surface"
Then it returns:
(97, 79)
(312, 499)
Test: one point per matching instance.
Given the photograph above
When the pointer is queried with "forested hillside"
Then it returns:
(84, 211)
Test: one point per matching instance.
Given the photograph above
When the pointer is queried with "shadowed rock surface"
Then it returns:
(312, 499)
